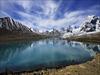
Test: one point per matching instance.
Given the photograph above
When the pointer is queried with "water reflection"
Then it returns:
(49, 53)
(9, 49)
(94, 47)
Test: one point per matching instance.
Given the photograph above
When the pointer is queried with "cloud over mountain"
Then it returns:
(48, 14)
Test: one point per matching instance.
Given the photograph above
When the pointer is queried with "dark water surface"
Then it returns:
(49, 53)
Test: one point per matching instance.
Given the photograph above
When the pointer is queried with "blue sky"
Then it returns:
(48, 14)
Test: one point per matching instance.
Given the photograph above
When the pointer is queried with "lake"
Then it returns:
(42, 54)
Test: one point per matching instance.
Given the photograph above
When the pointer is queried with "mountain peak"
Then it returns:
(92, 23)
(7, 23)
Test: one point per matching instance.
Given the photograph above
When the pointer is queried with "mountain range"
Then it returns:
(13, 30)
(89, 30)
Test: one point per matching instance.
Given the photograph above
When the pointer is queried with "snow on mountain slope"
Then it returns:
(9, 24)
(90, 26)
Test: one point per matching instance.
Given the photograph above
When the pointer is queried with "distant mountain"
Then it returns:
(52, 33)
(8, 24)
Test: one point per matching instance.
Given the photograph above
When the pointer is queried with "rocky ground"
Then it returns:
(88, 68)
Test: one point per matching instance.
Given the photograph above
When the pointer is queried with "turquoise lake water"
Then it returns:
(42, 54)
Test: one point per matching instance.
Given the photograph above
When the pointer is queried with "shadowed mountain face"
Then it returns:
(9, 25)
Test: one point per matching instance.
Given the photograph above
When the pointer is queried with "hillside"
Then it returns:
(12, 30)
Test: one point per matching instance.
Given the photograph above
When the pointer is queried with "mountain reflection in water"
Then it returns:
(49, 53)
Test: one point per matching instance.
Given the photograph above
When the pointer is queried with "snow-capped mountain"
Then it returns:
(92, 23)
(90, 26)
(8, 24)
(52, 33)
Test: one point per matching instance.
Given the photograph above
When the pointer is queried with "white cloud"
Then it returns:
(4, 14)
(26, 4)
(49, 8)
(72, 18)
